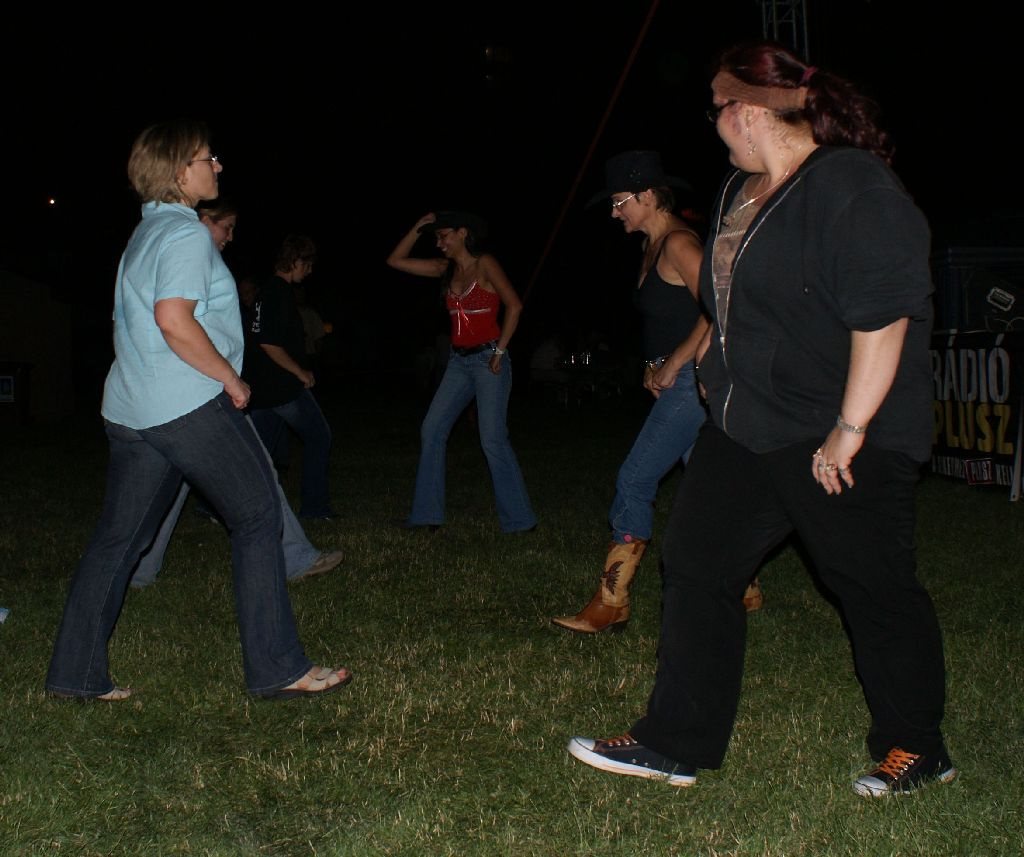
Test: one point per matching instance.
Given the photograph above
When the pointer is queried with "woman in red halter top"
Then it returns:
(476, 288)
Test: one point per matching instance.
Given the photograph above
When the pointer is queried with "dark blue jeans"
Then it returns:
(466, 377)
(666, 438)
(215, 448)
(305, 418)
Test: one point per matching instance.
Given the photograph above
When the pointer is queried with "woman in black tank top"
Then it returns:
(673, 327)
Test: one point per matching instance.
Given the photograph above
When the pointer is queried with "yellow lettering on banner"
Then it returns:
(985, 439)
(951, 436)
(961, 425)
(1003, 446)
(966, 433)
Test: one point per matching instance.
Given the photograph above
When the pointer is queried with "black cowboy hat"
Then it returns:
(634, 171)
(454, 219)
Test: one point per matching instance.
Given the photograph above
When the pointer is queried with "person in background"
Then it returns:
(248, 290)
(302, 560)
(312, 326)
(173, 408)
(818, 380)
(282, 382)
(221, 217)
(547, 366)
(673, 326)
(475, 288)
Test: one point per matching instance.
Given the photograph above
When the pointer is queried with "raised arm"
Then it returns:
(493, 275)
(186, 338)
(402, 261)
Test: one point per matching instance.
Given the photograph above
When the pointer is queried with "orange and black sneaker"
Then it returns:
(900, 772)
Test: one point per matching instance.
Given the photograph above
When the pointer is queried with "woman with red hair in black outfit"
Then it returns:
(817, 377)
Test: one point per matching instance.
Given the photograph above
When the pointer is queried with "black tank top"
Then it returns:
(669, 312)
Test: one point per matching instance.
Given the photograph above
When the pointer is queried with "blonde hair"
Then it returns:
(159, 156)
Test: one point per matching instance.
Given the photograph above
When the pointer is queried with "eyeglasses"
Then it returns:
(213, 159)
(618, 203)
(715, 111)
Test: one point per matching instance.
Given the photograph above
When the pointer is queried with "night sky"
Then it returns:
(349, 124)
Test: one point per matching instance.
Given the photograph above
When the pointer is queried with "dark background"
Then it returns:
(348, 124)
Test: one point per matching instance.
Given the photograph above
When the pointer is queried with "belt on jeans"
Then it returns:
(465, 351)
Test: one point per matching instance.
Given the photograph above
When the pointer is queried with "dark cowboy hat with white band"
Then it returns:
(634, 171)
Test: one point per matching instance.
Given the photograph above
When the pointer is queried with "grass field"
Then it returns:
(451, 739)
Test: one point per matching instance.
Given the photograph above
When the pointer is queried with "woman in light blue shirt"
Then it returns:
(302, 560)
(173, 408)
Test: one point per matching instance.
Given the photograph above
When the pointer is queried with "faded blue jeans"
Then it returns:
(215, 448)
(465, 378)
(303, 415)
(299, 554)
(667, 436)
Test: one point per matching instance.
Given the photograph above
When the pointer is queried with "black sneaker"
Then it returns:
(625, 755)
(900, 772)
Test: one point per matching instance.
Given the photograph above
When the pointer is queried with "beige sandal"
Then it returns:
(317, 681)
(118, 694)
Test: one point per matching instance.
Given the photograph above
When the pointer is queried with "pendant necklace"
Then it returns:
(728, 219)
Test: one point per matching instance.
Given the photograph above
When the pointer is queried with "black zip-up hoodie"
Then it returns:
(839, 247)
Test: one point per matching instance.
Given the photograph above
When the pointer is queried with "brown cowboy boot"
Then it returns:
(608, 610)
(753, 598)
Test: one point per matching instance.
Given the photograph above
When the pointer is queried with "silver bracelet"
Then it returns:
(845, 426)
(499, 351)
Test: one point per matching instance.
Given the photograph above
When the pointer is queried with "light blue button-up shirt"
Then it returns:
(170, 255)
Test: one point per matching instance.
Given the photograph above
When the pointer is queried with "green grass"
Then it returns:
(451, 739)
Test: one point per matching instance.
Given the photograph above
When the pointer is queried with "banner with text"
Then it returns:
(976, 431)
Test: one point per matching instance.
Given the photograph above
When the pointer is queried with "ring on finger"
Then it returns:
(830, 467)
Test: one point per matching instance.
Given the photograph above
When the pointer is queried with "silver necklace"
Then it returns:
(728, 219)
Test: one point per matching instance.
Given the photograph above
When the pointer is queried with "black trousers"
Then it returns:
(732, 508)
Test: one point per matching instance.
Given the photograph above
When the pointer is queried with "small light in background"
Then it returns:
(52, 201)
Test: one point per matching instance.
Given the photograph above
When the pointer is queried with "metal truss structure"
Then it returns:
(785, 21)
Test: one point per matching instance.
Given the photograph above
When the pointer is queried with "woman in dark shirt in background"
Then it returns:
(276, 369)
